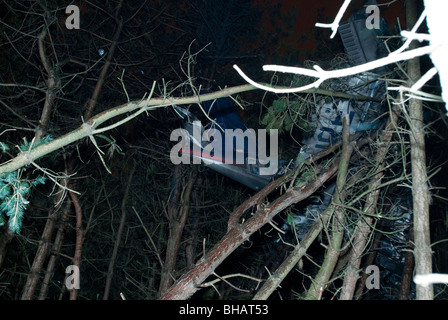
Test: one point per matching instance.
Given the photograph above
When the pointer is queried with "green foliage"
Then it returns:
(13, 196)
(284, 114)
(306, 177)
(290, 219)
(14, 191)
(4, 147)
(26, 145)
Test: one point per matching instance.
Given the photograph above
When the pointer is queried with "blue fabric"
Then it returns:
(224, 114)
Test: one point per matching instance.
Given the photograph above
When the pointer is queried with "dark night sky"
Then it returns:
(292, 22)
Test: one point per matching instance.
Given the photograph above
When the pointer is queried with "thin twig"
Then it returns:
(150, 238)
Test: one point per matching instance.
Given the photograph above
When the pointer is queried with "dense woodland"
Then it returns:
(112, 203)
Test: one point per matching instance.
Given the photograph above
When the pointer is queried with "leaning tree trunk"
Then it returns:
(178, 210)
(334, 247)
(363, 229)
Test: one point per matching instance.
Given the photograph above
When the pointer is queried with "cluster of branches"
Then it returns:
(238, 233)
(48, 66)
(257, 211)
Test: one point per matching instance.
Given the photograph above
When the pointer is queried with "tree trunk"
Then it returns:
(178, 211)
(363, 226)
(55, 250)
(79, 236)
(420, 191)
(190, 282)
(110, 270)
(337, 235)
(408, 270)
(46, 241)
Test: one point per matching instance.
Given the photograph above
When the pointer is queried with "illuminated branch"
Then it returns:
(323, 75)
(335, 24)
(436, 49)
